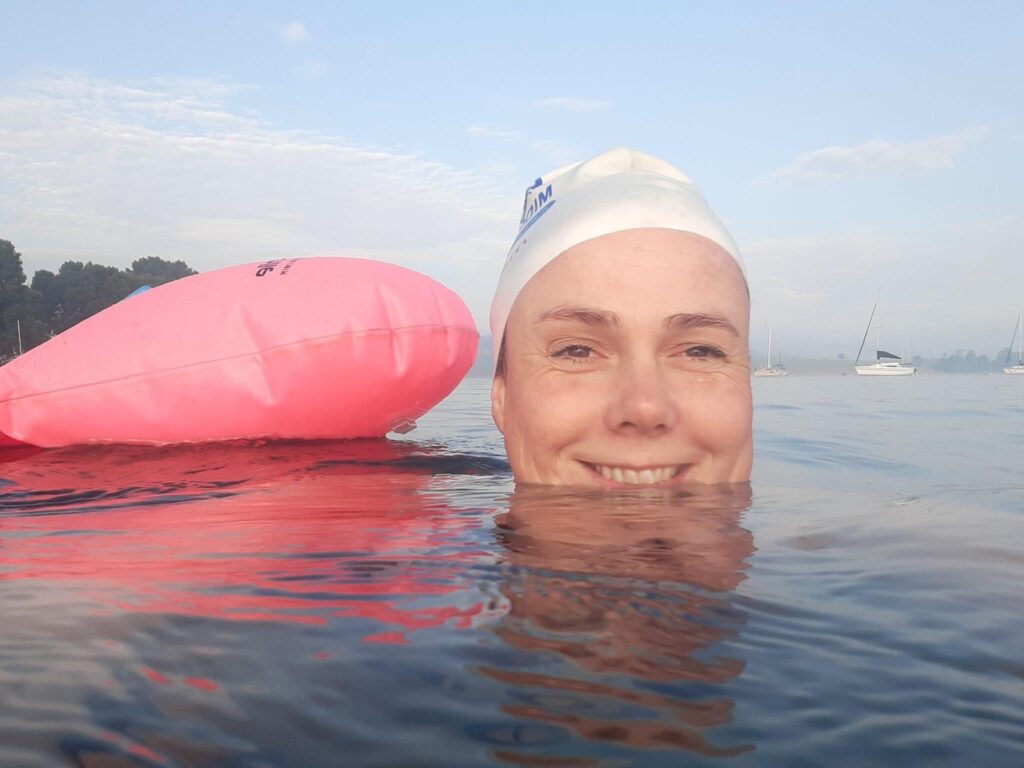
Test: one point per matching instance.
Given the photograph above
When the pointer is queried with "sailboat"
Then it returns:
(1018, 334)
(886, 363)
(769, 369)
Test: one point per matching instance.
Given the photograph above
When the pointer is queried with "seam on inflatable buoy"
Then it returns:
(252, 353)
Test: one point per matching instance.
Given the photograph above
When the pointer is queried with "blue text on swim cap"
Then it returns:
(536, 207)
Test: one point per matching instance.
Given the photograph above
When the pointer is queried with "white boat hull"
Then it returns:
(770, 372)
(1018, 369)
(885, 370)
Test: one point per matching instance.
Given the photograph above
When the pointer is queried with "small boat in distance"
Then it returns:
(886, 363)
(769, 369)
(1018, 334)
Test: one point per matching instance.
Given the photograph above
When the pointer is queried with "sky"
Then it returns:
(857, 151)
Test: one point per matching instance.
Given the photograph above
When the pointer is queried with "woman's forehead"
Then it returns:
(640, 272)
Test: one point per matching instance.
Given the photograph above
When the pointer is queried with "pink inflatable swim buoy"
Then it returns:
(293, 348)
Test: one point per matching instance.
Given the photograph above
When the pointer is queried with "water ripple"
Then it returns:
(399, 602)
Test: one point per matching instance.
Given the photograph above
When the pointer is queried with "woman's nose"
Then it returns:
(640, 401)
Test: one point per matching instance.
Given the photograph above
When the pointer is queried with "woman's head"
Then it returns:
(624, 357)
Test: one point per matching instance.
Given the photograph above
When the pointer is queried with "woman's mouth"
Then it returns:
(659, 475)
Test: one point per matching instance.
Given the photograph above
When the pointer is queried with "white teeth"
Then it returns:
(650, 476)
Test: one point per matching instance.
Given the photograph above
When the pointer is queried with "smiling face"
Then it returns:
(626, 363)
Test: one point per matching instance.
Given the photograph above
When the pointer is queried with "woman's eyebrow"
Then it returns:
(602, 317)
(699, 320)
(585, 315)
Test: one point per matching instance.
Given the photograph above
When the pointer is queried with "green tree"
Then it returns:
(12, 273)
(78, 290)
(58, 300)
(18, 306)
(154, 271)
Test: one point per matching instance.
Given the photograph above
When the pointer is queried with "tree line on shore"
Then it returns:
(54, 301)
(965, 362)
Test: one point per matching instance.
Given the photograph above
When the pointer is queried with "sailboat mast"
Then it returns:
(866, 332)
(1016, 335)
(1020, 339)
(769, 364)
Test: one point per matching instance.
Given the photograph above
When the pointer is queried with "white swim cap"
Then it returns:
(617, 190)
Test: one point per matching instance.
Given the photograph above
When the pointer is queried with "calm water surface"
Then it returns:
(398, 603)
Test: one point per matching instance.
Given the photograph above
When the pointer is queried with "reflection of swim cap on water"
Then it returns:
(617, 190)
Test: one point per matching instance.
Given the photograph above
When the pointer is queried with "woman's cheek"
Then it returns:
(720, 421)
(572, 397)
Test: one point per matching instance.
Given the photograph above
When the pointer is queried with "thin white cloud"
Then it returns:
(180, 169)
(295, 32)
(879, 157)
(487, 132)
(312, 68)
(572, 104)
(554, 153)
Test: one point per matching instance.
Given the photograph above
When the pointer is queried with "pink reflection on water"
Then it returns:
(284, 532)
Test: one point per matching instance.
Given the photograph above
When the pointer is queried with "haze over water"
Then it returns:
(381, 603)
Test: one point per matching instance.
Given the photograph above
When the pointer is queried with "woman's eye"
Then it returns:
(704, 352)
(574, 352)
